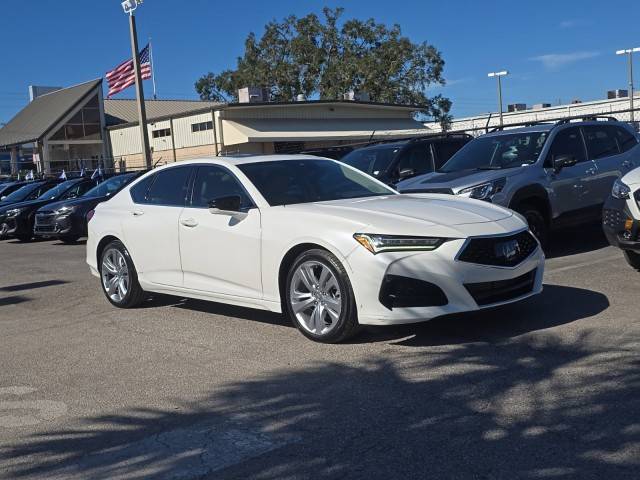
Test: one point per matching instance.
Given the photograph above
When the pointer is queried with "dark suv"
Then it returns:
(554, 174)
(392, 162)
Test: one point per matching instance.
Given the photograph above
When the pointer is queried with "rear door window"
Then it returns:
(601, 141)
(417, 158)
(567, 142)
(170, 187)
(139, 191)
(626, 140)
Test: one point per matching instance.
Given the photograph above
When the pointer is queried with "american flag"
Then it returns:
(123, 76)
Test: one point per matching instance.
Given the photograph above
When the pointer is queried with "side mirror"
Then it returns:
(406, 173)
(225, 205)
(563, 161)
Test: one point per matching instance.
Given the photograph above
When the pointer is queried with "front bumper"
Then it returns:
(48, 224)
(20, 225)
(466, 286)
(621, 223)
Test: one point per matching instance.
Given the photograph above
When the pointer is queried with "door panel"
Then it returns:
(603, 149)
(220, 252)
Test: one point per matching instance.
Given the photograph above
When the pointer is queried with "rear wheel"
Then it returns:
(633, 259)
(537, 222)
(319, 298)
(119, 277)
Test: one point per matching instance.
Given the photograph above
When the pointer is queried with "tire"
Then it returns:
(115, 263)
(69, 239)
(633, 259)
(537, 223)
(326, 308)
(24, 238)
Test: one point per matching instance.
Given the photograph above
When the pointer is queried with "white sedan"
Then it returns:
(317, 239)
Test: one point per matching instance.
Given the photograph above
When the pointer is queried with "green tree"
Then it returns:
(326, 58)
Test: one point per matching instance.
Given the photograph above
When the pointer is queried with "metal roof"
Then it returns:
(43, 113)
(120, 111)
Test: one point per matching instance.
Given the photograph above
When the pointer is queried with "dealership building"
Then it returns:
(75, 127)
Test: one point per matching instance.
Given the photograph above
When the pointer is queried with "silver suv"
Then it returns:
(553, 174)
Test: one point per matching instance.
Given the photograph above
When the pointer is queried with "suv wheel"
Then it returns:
(319, 298)
(633, 259)
(118, 276)
(537, 223)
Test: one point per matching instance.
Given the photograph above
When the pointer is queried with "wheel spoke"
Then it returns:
(332, 283)
(108, 264)
(302, 304)
(317, 319)
(112, 285)
(325, 274)
(334, 303)
(307, 276)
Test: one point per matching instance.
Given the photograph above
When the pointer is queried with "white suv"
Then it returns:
(621, 217)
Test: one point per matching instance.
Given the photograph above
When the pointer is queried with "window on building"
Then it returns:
(84, 125)
(201, 127)
(162, 132)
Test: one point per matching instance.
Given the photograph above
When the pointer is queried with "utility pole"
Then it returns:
(498, 75)
(129, 6)
(629, 53)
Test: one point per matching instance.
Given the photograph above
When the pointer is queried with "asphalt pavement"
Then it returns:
(181, 389)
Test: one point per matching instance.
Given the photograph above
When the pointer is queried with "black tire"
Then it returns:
(538, 223)
(134, 295)
(346, 325)
(633, 259)
(69, 239)
(24, 238)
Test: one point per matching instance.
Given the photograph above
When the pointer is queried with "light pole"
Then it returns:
(498, 75)
(129, 7)
(629, 53)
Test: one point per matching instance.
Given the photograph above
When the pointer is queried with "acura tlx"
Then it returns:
(315, 239)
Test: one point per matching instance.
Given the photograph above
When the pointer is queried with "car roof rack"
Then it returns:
(587, 118)
(554, 122)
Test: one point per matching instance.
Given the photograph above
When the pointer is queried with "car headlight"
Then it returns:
(620, 190)
(14, 212)
(64, 210)
(484, 190)
(397, 243)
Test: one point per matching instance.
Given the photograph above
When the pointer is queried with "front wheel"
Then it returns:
(537, 223)
(319, 298)
(119, 277)
(633, 259)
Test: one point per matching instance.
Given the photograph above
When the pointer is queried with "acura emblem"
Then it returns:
(507, 250)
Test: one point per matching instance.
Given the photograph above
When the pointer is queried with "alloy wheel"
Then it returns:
(115, 275)
(315, 298)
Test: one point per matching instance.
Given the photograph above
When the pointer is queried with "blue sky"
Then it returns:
(555, 50)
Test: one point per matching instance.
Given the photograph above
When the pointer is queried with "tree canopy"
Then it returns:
(325, 58)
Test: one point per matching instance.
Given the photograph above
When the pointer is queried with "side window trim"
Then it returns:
(194, 176)
(146, 192)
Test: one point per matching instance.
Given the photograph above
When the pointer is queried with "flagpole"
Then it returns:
(142, 113)
(153, 70)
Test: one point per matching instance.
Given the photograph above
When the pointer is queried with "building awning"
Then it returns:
(283, 130)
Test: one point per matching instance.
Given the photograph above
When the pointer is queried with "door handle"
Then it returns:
(591, 171)
(189, 222)
(137, 213)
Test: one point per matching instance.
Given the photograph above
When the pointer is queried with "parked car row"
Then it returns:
(53, 207)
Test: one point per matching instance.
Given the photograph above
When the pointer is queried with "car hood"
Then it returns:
(33, 204)
(455, 181)
(73, 202)
(417, 214)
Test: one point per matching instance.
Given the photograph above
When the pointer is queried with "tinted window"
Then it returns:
(416, 158)
(302, 181)
(374, 161)
(601, 141)
(109, 187)
(77, 191)
(170, 187)
(139, 191)
(625, 139)
(55, 192)
(567, 142)
(22, 193)
(215, 182)
(446, 150)
(492, 152)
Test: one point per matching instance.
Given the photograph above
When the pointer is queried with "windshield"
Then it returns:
(374, 161)
(496, 152)
(56, 191)
(109, 187)
(286, 182)
(21, 193)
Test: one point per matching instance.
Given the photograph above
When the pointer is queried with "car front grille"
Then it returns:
(613, 219)
(44, 218)
(487, 293)
(446, 191)
(504, 251)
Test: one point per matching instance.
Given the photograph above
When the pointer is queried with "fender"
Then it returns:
(534, 192)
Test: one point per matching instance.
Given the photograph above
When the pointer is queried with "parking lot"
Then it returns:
(548, 388)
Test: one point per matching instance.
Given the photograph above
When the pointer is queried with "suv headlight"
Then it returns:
(620, 190)
(397, 243)
(64, 210)
(484, 191)
(14, 212)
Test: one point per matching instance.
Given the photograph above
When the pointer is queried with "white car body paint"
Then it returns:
(237, 259)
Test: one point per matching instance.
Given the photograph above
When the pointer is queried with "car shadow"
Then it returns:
(575, 240)
(32, 285)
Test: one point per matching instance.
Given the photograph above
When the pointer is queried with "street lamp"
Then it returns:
(629, 53)
(498, 75)
(129, 6)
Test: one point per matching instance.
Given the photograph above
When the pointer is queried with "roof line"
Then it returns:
(71, 86)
